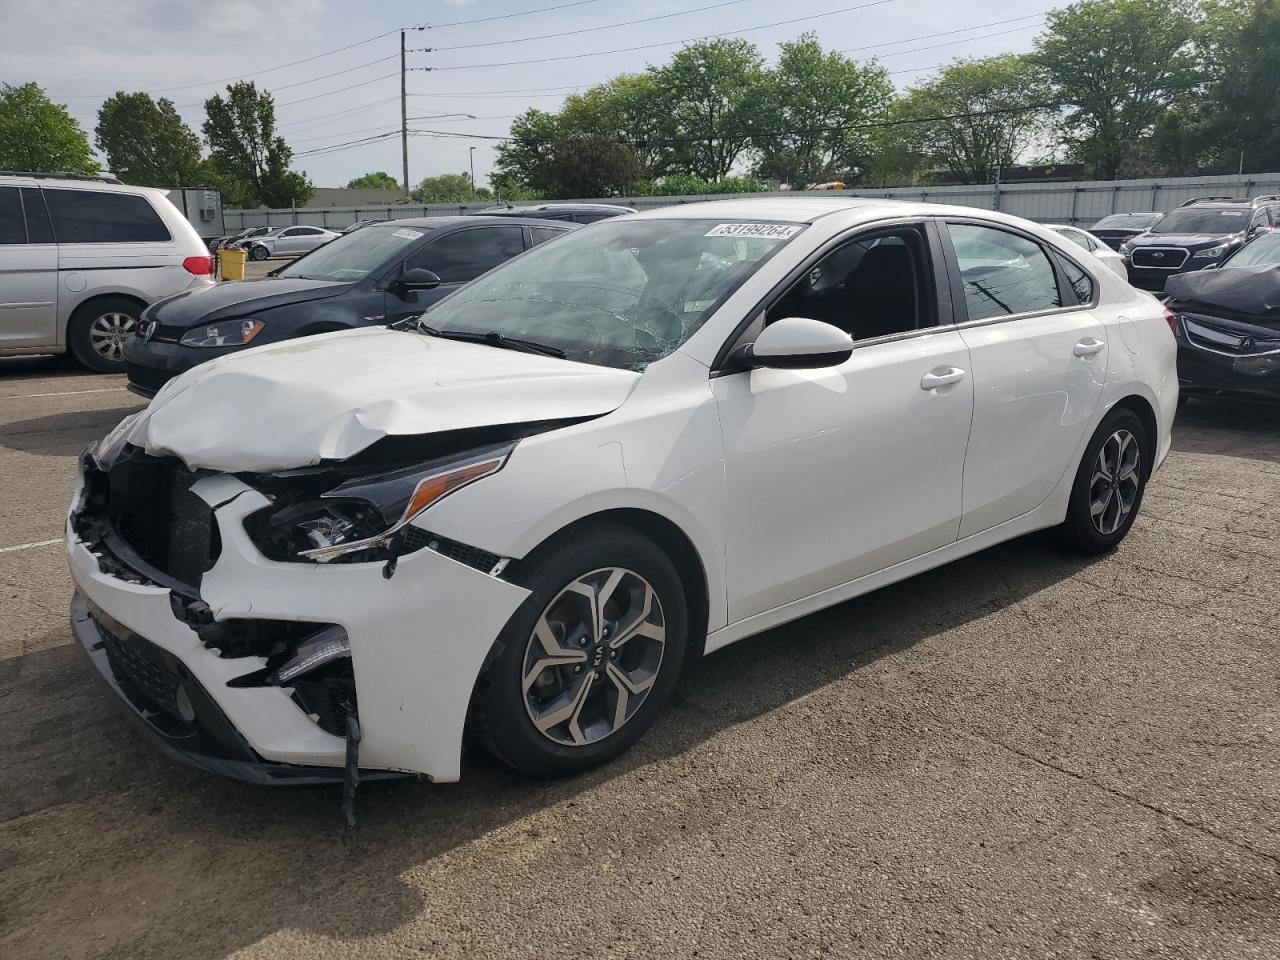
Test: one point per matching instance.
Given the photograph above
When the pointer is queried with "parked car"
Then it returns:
(1087, 241)
(352, 228)
(1227, 324)
(573, 212)
(1200, 233)
(378, 275)
(248, 233)
(80, 257)
(285, 242)
(645, 440)
(1115, 229)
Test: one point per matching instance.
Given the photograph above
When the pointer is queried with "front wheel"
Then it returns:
(1109, 484)
(584, 667)
(259, 253)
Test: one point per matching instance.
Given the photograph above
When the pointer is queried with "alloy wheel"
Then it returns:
(1113, 490)
(108, 333)
(593, 656)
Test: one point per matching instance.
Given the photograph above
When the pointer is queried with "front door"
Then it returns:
(1040, 360)
(836, 473)
(28, 275)
(455, 258)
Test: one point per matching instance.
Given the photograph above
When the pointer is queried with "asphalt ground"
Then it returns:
(1024, 754)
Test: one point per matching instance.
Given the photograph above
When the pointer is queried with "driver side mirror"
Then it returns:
(796, 343)
(417, 278)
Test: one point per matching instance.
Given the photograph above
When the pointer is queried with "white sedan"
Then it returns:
(657, 435)
(1114, 261)
(285, 242)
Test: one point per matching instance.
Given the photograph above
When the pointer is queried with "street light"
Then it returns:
(472, 156)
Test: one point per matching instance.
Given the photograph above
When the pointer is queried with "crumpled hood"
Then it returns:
(226, 300)
(296, 403)
(1247, 290)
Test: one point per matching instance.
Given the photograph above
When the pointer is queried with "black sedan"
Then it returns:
(1227, 323)
(376, 275)
(1115, 229)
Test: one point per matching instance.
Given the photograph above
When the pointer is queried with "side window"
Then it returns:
(87, 216)
(873, 286)
(1002, 273)
(543, 234)
(1081, 285)
(308, 231)
(590, 217)
(39, 229)
(291, 232)
(465, 255)
(12, 228)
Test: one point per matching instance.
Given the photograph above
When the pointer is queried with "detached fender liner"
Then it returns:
(145, 681)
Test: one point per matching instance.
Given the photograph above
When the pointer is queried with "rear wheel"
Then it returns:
(98, 330)
(1109, 484)
(584, 667)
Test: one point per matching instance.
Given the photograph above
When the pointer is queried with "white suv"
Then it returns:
(80, 257)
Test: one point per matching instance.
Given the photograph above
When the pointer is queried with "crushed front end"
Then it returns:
(238, 654)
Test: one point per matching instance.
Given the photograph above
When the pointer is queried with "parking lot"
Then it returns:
(1024, 753)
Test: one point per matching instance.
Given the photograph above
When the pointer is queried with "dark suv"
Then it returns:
(1201, 233)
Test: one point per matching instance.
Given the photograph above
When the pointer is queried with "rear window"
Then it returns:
(12, 228)
(88, 216)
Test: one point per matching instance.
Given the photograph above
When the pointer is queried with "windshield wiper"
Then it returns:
(494, 339)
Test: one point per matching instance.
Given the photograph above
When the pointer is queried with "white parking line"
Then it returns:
(28, 546)
(63, 393)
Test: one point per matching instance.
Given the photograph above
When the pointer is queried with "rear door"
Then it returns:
(1039, 358)
(28, 272)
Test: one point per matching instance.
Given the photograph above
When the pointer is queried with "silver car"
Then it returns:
(287, 242)
(81, 257)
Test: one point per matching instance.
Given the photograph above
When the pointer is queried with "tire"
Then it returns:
(259, 253)
(97, 332)
(1105, 500)
(540, 733)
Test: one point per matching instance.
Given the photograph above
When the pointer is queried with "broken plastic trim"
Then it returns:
(331, 643)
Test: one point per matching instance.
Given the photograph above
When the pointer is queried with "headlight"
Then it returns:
(1212, 252)
(360, 519)
(224, 333)
(1126, 248)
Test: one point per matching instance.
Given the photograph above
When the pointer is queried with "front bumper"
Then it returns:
(418, 642)
(1153, 278)
(151, 364)
(1205, 372)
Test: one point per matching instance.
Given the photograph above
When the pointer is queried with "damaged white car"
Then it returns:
(520, 513)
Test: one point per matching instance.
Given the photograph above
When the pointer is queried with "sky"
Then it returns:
(81, 51)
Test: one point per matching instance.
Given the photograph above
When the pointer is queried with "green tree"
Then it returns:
(146, 142)
(816, 111)
(250, 161)
(1240, 124)
(521, 163)
(713, 95)
(381, 180)
(446, 188)
(1116, 64)
(985, 127)
(38, 135)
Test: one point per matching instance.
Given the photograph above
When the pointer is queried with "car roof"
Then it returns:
(78, 183)
(809, 209)
(513, 210)
(440, 223)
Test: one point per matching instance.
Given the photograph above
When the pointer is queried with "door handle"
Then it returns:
(942, 377)
(1088, 347)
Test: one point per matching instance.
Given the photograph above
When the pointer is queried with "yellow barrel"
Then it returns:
(232, 263)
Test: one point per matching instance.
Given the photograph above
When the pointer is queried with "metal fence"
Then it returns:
(1080, 203)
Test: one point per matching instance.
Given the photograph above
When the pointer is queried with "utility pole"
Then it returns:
(404, 118)
(472, 157)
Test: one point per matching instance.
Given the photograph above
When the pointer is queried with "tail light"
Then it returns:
(200, 266)
(1171, 318)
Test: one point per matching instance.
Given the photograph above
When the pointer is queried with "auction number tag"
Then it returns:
(407, 234)
(767, 231)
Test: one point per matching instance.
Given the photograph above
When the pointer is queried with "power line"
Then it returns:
(256, 73)
(572, 33)
(668, 43)
(331, 93)
(306, 123)
(505, 16)
(948, 33)
(531, 92)
(952, 43)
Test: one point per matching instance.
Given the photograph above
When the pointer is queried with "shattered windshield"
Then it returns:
(622, 293)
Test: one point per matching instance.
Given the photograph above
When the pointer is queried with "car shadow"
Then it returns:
(62, 434)
(1229, 427)
(69, 752)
